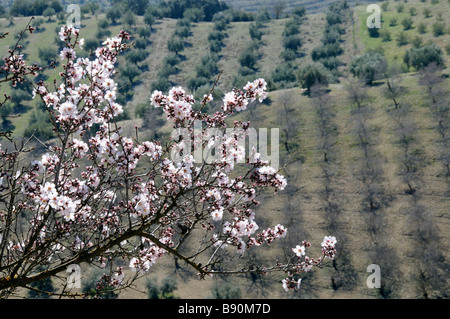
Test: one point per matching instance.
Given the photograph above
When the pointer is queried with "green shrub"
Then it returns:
(331, 36)
(427, 12)
(163, 291)
(136, 55)
(416, 41)
(312, 74)
(402, 38)
(333, 18)
(149, 18)
(248, 58)
(438, 29)
(225, 291)
(175, 44)
(161, 84)
(288, 55)
(331, 63)
(292, 42)
(194, 82)
(101, 34)
(131, 72)
(140, 43)
(166, 70)
(90, 45)
(284, 73)
(171, 59)
(208, 66)
(48, 54)
(144, 32)
(255, 31)
(421, 28)
(298, 12)
(369, 67)
(103, 23)
(291, 28)
(385, 35)
(182, 31)
(393, 22)
(326, 51)
(114, 14)
(194, 14)
(423, 56)
(407, 23)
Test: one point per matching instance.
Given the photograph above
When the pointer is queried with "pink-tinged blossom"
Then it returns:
(328, 247)
(217, 214)
(146, 258)
(116, 108)
(290, 284)
(66, 32)
(142, 206)
(37, 166)
(267, 175)
(41, 90)
(114, 43)
(152, 150)
(80, 148)
(67, 53)
(208, 98)
(49, 160)
(157, 98)
(266, 172)
(280, 231)
(299, 250)
(68, 111)
(256, 89)
(328, 241)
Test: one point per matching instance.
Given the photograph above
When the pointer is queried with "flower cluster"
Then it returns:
(14, 68)
(290, 283)
(267, 175)
(77, 106)
(107, 284)
(114, 150)
(146, 258)
(328, 247)
(150, 252)
(237, 100)
(305, 264)
(177, 105)
(178, 174)
(98, 195)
